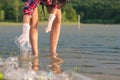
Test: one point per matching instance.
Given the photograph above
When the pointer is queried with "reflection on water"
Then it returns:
(78, 27)
(35, 64)
(55, 67)
(26, 67)
(13, 70)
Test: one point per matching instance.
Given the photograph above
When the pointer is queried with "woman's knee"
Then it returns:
(34, 25)
(58, 17)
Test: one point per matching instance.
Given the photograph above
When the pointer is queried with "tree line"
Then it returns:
(98, 11)
(11, 10)
(90, 11)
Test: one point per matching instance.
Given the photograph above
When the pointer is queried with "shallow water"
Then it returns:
(93, 49)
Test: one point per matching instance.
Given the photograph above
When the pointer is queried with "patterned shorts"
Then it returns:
(30, 5)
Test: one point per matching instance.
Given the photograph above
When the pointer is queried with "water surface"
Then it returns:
(91, 49)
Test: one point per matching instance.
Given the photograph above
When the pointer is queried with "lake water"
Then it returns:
(93, 49)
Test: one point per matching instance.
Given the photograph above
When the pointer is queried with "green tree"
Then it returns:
(43, 13)
(98, 11)
(0, 5)
(16, 5)
(64, 16)
(69, 13)
(2, 15)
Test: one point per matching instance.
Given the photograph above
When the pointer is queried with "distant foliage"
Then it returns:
(98, 11)
(11, 10)
(69, 13)
(91, 11)
(2, 15)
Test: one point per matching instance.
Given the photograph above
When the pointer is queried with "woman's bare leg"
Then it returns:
(26, 19)
(34, 32)
(54, 34)
(51, 18)
(23, 39)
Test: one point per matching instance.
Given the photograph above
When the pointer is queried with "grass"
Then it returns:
(9, 23)
(40, 23)
(1, 76)
(45, 23)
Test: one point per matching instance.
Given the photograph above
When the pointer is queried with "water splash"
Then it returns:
(25, 67)
(12, 70)
(24, 46)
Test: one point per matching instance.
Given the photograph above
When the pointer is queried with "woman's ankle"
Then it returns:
(53, 55)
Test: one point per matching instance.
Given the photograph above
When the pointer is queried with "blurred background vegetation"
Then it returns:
(90, 11)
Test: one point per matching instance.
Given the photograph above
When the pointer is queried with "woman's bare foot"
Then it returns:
(35, 64)
(55, 58)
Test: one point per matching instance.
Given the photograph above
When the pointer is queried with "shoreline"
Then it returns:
(42, 23)
(71, 24)
(45, 22)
